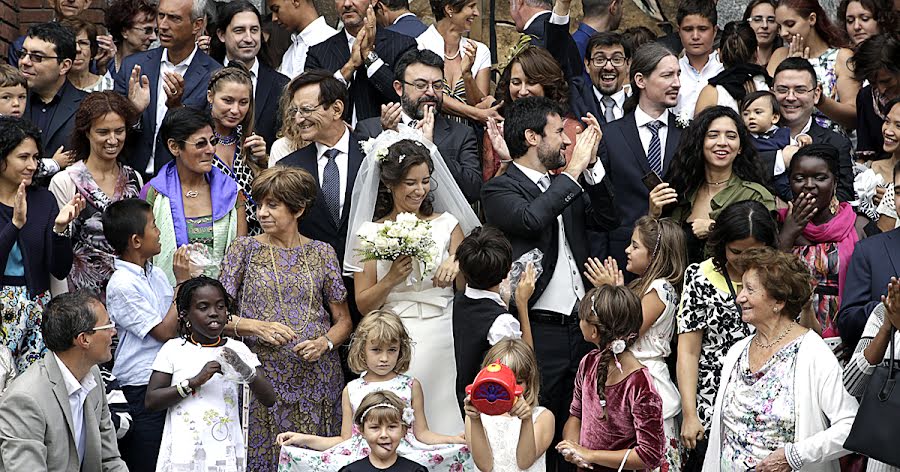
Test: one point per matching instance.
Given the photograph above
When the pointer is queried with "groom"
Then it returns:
(333, 158)
(551, 213)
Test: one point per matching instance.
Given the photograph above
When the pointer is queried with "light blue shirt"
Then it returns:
(15, 265)
(137, 300)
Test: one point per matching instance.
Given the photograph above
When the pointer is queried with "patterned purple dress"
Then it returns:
(292, 290)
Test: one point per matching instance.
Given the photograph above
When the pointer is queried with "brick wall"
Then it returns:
(17, 15)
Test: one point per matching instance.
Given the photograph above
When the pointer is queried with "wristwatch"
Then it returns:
(371, 58)
(329, 343)
(184, 388)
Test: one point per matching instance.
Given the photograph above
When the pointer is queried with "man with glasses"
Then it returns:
(45, 60)
(419, 82)
(798, 92)
(55, 416)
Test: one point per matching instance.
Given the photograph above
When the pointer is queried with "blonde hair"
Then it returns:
(236, 73)
(369, 409)
(382, 327)
(518, 356)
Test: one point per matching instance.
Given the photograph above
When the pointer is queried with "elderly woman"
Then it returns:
(34, 241)
(709, 320)
(761, 16)
(132, 25)
(193, 201)
(819, 229)
(737, 50)
(293, 305)
(715, 165)
(781, 404)
(86, 48)
(101, 124)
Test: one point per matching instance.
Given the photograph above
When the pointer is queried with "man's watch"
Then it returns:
(371, 58)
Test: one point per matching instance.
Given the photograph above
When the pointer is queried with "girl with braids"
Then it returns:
(203, 428)
(657, 256)
(616, 414)
(240, 153)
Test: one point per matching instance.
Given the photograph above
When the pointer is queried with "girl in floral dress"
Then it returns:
(381, 352)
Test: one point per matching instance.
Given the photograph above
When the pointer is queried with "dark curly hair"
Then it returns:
(122, 15)
(687, 172)
(740, 220)
(12, 132)
(616, 313)
(394, 169)
(881, 10)
(783, 275)
(541, 68)
(92, 108)
(186, 295)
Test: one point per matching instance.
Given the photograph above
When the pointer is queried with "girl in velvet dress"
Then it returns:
(616, 419)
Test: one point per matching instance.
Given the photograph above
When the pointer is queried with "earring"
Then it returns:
(188, 323)
(835, 205)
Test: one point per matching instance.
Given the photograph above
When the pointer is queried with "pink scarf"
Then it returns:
(841, 230)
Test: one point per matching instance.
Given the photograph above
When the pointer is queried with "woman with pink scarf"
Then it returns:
(820, 229)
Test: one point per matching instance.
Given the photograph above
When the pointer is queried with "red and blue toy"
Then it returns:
(494, 390)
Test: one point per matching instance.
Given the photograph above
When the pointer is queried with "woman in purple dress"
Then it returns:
(282, 281)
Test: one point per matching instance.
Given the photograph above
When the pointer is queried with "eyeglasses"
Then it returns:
(304, 112)
(600, 61)
(762, 19)
(147, 30)
(84, 43)
(36, 57)
(200, 145)
(422, 85)
(111, 325)
(798, 91)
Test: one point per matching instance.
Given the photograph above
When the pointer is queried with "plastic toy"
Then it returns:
(494, 391)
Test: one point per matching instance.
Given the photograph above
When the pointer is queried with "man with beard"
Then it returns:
(419, 78)
(537, 210)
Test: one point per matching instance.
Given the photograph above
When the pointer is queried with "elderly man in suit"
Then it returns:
(55, 417)
(175, 74)
(362, 56)
(418, 82)
(552, 213)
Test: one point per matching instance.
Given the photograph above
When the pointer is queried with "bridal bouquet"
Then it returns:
(407, 236)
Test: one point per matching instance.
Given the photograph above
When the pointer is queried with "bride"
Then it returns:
(404, 173)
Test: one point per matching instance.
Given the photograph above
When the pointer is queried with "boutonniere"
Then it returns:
(683, 120)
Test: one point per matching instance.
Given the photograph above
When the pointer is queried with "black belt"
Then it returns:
(549, 317)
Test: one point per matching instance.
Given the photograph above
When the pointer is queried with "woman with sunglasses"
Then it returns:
(193, 201)
(132, 25)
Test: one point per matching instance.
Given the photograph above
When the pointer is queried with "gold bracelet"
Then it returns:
(236, 323)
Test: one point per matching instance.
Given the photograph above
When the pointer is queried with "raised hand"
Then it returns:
(660, 196)
(181, 264)
(390, 116)
(800, 211)
(209, 369)
(63, 158)
(498, 142)
(255, 146)
(585, 151)
(426, 124)
(173, 85)
(525, 287)
(467, 56)
(203, 43)
(69, 212)
(892, 302)
(139, 89)
(20, 207)
(106, 50)
(605, 273)
(798, 47)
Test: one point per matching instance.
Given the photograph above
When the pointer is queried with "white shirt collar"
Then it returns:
(712, 62)
(133, 268)
(72, 384)
(185, 62)
(312, 29)
(531, 20)
(641, 118)
(619, 97)
(254, 69)
(532, 174)
(343, 145)
(402, 16)
(478, 294)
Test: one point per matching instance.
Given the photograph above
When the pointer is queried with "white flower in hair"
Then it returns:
(617, 346)
(683, 120)
(408, 416)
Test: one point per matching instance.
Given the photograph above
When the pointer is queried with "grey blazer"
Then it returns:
(36, 432)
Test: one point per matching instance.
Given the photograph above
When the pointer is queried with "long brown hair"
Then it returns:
(402, 156)
(236, 73)
(541, 68)
(666, 245)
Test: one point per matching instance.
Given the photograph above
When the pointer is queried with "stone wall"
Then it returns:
(17, 15)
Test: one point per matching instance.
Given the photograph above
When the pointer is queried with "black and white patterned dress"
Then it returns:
(706, 304)
(243, 175)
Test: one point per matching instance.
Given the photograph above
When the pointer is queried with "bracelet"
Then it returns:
(329, 342)
(66, 233)
(236, 323)
(180, 390)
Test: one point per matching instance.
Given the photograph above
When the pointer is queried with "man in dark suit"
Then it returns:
(55, 416)
(239, 30)
(177, 73)
(364, 61)
(798, 91)
(552, 214)
(875, 260)
(395, 16)
(455, 141)
(643, 142)
(46, 59)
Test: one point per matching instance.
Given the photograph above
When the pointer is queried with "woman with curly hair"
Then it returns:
(716, 165)
(132, 25)
(863, 19)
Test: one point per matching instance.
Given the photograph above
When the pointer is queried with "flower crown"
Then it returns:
(378, 148)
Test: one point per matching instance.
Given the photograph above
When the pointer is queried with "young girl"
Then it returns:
(657, 256)
(616, 414)
(518, 440)
(380, 352)
(380, 419)
(203, 428)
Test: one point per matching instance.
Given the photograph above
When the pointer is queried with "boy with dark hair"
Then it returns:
(139, 301)
(482, 317)
(700, 62)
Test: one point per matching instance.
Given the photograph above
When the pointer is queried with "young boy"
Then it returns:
(139, 301)
(482, 318)
(700, 61)
(761, 113)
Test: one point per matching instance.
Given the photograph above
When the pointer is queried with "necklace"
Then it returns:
(448, 57)
(716, 184)
(218, 342)
(312, 288)
(191, 194)
(779, 338)
(231, 138)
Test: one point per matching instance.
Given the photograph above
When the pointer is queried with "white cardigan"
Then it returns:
(823, 408)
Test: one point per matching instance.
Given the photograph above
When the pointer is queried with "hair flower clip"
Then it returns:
(617, 346)
(408, 416)
(400, 158)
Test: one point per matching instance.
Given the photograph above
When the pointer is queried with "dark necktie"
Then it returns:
(331, 186)
(654, 152)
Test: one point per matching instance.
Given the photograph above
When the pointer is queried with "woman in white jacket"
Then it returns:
(781, 403)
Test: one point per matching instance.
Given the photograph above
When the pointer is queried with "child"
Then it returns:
(203, 428)
(139, 301)
(657, 255)
(700, 62)
(381, 351)
(380, 421)
(616, 413)
(518, 440)
(761, 113)
(483, 319)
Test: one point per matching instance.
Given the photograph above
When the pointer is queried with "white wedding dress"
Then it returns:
(427, 313)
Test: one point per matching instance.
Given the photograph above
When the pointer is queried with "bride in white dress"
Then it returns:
(404, 173)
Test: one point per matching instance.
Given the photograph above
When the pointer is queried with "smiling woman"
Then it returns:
(85, 50)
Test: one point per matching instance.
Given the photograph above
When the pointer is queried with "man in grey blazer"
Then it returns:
(55, 417)
(456, 142)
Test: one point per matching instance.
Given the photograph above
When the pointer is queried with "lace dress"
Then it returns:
(439, 457)
(503, 435)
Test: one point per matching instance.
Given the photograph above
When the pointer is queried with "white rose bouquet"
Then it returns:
(407, 236)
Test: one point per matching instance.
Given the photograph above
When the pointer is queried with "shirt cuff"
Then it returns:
(504, 327)
(594, 175)
(339, 76)
(779, 163)
(50, 166)
(793, 456)
(559, 19)
(573, 179)
(372, 69)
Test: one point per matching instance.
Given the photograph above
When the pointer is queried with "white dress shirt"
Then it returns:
(619, 97)
(165, 66)
(565, 287)
(641, 119)
(294, 60)
(342, 160)
(505, 326)
(693, 80)
(254, 72)
(780, 168)
(77, 391)
(432, 40)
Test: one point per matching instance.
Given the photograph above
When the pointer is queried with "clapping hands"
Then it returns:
(606, 273)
